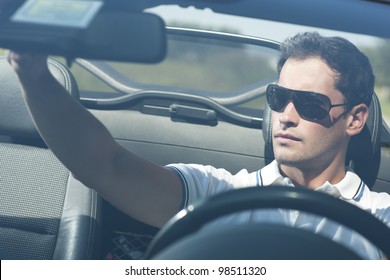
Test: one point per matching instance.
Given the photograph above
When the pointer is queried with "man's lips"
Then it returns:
(286, 137)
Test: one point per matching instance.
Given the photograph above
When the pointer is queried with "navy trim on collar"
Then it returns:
(259, 179)
(359, 193)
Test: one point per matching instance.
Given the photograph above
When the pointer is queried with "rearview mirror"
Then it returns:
(85, 29)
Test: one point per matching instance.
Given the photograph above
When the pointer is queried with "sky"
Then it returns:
(254, 27)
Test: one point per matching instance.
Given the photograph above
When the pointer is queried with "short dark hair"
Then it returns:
(355, 75)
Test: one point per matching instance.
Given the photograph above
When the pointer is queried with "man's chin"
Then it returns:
(291, 161)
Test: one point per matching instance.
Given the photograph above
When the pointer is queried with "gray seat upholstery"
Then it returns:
(45, 213)
(364, 150)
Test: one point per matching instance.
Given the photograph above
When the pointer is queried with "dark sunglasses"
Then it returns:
(311, 106)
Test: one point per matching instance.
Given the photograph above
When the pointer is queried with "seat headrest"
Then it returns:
(15, 120)
(364, 150)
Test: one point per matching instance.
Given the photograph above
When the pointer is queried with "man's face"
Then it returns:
(307, 144)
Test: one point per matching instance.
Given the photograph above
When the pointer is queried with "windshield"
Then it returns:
(222, 67)
(230, 60)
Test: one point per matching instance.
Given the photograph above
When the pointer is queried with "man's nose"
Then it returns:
(290, 116)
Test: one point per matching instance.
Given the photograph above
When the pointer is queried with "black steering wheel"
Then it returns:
(181, 237)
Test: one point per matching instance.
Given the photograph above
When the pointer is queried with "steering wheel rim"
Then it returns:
(195, 216)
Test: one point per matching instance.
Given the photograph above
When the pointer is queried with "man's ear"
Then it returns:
(357, 118)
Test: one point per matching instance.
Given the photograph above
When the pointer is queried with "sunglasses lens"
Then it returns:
(277, 98)
(312, 106)
(309, 105)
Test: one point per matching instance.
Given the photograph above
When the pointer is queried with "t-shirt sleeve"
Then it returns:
(202, 181)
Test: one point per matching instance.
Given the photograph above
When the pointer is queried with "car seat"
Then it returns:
(45, 213)
(364, 150)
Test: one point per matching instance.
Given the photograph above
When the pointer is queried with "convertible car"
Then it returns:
(177, 81)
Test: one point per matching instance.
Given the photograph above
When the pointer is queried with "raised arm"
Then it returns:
(139, 188)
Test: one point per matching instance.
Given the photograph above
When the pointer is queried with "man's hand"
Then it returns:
(28, 65)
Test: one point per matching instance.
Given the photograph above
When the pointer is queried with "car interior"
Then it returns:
(46, 213)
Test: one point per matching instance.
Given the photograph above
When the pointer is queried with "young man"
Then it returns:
(320, 102)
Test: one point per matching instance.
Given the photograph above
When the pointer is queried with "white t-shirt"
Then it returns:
(200, 182)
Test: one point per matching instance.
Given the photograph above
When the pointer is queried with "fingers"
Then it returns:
(24, 58)
(26, 62)
(16, 59)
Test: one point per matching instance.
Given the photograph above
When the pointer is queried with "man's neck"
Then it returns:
(310, 177)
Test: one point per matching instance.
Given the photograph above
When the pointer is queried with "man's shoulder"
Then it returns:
(379, 198)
